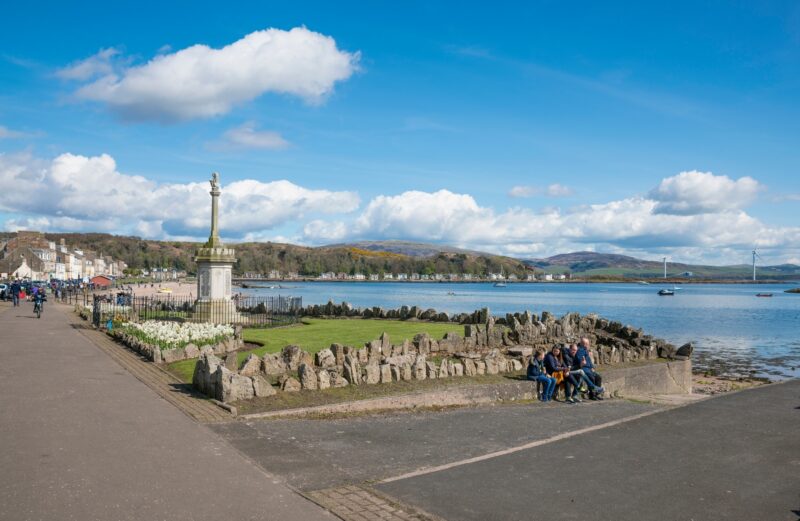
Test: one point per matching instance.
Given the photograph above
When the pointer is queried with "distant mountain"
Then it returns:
(412, 249)
(593, 264)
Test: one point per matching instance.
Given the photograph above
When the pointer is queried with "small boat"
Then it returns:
(500, 284)
(665, 292)
(676, 288)
(451, 294)
(763, 294)
(642, 283)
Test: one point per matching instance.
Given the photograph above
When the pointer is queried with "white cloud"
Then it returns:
(559, 190)
(88, 193)
(553, 190)
(246, 136)
(99, 64)
(201, 81)
(694, 192)
(319, 231)
(7, 133)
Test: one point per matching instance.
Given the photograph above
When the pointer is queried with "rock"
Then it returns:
(444, 369)
(418, 369)
(234, 387)
(262, 387)
(338, 353)
(685, 351)
(273, 364)
(457, 369)
(156, 357)
(289, 384)
(520, 351)
(338, 380)
(480, 367)
(516, 365)
(372, 374)
(308, 377)
(203, 378)
(491, 365)
(386, 373)
(352, 369)
(405, 372)
(396, 373)
(293, 356)
(251, 366)
(191, 350)
(362, 355)
(374, 351)
(172, 355)
(469, 367)
(430, 370)
(325, 358)
(323, 379)
(232, 362)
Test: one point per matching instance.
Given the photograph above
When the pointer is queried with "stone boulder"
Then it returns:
(293, 356)
(232, 387)
(325, 358)
(191, 350)
(469, 367)
(418, 369)
(386, 373)
(308, 377)
(323, 379)
(251, 366)
(684, 351)
(203, 378)
(352, 369)
(337, 380)
(289, 384)
(262, 387)
(272, 364)
(430, 370)
(372, 374)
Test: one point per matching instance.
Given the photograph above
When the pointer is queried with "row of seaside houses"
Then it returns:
(330, 275)
(29, 255)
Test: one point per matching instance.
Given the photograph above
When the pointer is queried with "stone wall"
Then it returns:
(494, 346)
(155, 354)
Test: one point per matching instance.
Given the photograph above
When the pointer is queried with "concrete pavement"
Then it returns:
(735, 457)
(83, 439)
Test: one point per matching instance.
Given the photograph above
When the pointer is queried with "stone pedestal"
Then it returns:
(214, 267)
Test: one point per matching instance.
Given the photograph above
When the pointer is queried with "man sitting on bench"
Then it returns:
(581, 358)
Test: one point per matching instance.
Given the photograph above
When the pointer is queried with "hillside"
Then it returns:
(307, 261)
(592, 264)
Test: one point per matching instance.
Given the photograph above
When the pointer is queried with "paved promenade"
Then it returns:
(83, 439)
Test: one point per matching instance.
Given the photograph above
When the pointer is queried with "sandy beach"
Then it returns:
(182, 289)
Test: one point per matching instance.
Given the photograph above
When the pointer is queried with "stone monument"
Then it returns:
(214, 267)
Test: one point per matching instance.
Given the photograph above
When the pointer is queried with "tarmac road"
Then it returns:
(735, 457)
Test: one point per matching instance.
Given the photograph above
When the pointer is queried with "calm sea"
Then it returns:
(731, 328)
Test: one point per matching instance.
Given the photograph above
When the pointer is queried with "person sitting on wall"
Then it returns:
(576, 365)
(586, 361)
(555, 366)
(538, 373)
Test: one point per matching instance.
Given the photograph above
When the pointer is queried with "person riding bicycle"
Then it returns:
(38, 301)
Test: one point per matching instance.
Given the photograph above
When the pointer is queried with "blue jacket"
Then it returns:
(583, 354)
(552, 364)
(536, 368)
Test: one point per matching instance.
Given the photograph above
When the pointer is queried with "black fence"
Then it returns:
(247, 311)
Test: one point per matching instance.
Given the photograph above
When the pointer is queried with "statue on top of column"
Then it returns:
(214, 181)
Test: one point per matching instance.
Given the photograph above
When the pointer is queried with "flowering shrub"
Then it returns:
(172, 335)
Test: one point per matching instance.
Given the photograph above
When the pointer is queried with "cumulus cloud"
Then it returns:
(98, 64)
(694, 192)
(553, 190)
(319, 231)
(201, 81)
(631, 223)
(76, 192)
(247, 136)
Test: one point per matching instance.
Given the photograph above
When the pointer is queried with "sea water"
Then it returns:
(733, 331)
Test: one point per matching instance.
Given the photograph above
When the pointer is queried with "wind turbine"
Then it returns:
(665, 267)
(755, 255)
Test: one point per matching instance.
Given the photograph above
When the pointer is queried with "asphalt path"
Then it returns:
(735, 457)
(82, 439)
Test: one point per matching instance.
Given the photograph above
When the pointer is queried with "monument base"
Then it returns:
(216, 311)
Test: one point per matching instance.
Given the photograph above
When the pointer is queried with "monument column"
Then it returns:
(214, 270)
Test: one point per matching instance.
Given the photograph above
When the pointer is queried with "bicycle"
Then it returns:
(38, 308)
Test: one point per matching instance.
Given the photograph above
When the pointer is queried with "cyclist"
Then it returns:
(38, 303)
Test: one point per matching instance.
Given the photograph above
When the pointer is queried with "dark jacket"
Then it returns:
(552, 364)
(574, 363)
(583, 354)
(536, 368)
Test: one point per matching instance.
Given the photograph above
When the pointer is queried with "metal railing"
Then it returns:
(247, 311)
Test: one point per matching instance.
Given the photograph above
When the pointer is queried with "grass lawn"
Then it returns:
(316, 334)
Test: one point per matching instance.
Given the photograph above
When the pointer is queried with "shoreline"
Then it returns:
(238, 281)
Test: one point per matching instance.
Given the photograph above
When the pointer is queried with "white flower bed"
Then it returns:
(173, 335)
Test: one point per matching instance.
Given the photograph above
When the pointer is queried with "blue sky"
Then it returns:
(520, 129)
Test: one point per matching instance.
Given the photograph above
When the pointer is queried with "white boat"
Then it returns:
(500, 284)
(642, 283)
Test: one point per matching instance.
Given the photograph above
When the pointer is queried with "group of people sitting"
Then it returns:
(571, 367)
